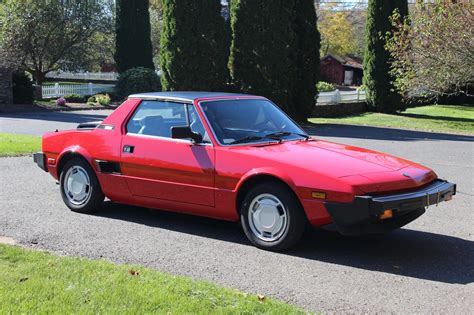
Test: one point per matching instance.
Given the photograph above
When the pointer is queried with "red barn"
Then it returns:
(341, 70)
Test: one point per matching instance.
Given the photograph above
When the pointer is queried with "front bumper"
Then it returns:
(362, 216)
(40, 159)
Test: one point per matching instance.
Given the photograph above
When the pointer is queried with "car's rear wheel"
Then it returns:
(272, 218)
(80, 188)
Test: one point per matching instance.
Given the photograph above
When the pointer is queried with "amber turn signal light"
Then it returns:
(318, 195)
(387, 214)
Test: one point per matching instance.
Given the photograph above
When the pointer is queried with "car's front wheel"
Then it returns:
(80, 188)
(272, 218)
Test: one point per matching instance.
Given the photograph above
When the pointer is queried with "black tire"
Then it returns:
(96, 198)
(296, 223)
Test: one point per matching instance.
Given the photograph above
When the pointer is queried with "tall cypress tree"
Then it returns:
(194, 46)
(381, 94)
(308, 42)
(132, 29)
(262, 57)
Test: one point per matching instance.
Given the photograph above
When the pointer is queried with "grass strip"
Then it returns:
(38, 282)
(432, 118)
(16, 145)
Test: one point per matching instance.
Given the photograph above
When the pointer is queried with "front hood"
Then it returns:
(334, 159)
(367, 170)
(399, 175)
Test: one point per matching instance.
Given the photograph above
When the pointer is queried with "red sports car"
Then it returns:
(235, 157)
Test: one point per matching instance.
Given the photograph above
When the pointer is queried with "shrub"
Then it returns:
(91, 100)
(113, 95)
(381, 94)
(307, 59)
(102, 99)
(61, 101)
(193, 54)
(275, 52)
(74, 98)
(137, 80)
(262, 55)
(23, 89)
(325, 86)
(132, 29)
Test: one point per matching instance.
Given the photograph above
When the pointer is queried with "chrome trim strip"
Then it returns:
(160, 98)
(168, 139)
(106, 127)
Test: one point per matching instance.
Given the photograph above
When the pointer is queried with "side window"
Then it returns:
(196, 124)
(155, 118)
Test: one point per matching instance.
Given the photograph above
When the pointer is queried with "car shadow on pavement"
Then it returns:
(404, 252)
(379, 133)
(183, 223)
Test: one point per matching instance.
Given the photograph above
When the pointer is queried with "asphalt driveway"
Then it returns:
(427, 267)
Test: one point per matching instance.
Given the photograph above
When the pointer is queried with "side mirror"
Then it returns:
(185, 132)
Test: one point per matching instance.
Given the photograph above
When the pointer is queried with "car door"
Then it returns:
(157, 166)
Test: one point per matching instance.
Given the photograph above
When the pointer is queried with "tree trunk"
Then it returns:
(38, 76)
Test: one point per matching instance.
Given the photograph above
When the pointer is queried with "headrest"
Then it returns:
(151, 120)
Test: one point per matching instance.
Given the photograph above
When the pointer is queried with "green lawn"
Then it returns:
(38, 282)
(15, 145)
(435, 118)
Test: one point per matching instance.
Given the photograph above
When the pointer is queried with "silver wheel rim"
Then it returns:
(268, 217)
(77, 185)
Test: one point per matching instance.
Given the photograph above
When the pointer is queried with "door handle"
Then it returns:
(128, 149)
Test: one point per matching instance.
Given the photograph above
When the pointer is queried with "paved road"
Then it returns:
(37, 123)
(427, 267)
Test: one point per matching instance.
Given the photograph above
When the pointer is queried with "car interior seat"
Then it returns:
(154, 126)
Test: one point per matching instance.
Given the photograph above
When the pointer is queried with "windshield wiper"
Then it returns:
(286, 133)
(273, 136)
(246, 139)
(254, 138)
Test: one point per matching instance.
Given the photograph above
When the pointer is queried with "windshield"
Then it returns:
(247, 121)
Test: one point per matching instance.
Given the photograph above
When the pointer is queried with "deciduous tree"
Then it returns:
(433, 51)
(337, 34)
(47, 35)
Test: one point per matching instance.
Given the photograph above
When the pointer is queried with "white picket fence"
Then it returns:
(58, 90)
(337, 97)
(92, 76)
(86, 76)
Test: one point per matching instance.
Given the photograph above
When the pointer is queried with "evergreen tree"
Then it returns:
(307, 59)
(194, 46)
(133, 42)
(381, 94)
(263, 55)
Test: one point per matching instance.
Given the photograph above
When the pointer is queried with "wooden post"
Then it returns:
(56, 90)
(337, 96)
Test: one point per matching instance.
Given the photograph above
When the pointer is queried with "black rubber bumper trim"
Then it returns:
(362, 215)
(40, 159)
